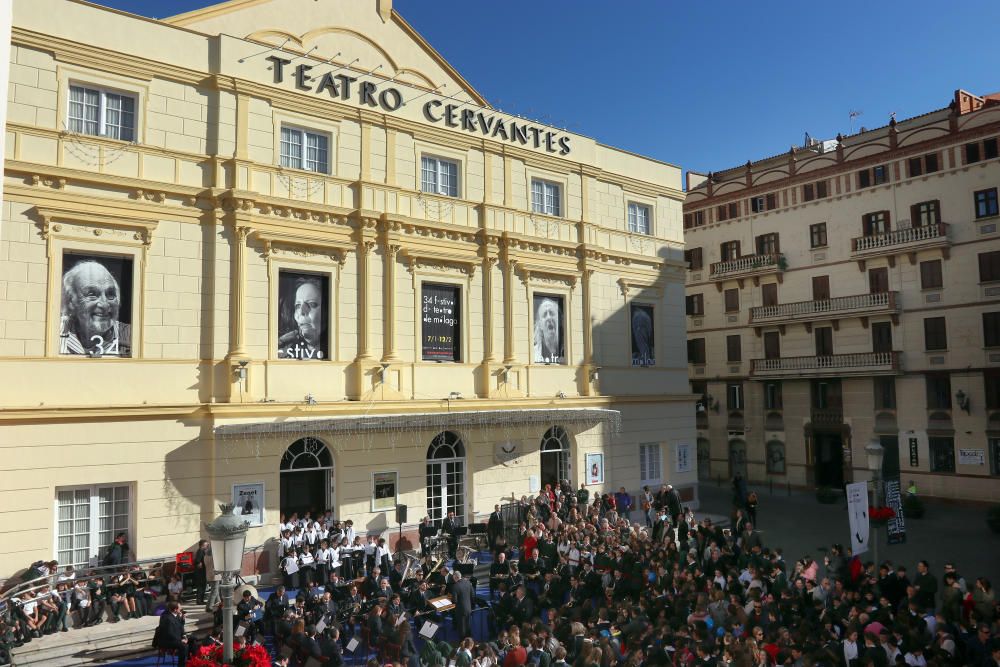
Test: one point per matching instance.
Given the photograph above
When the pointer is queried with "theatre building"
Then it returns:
(281, 253)
(848, 291)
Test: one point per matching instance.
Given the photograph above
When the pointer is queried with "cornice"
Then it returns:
(213, 411)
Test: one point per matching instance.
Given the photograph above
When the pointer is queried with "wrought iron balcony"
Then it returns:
(828, 309)
(834, 365)
(900, 240)
(749, 265)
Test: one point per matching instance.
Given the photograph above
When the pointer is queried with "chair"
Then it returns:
(390, 652)
(166, 652)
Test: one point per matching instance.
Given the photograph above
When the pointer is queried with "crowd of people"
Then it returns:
(600, 581)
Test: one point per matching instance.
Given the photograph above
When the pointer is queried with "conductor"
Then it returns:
(461, 593)
(169, 634)
(450, 528)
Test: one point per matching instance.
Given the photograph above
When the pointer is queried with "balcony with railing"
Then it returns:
(897, 241)
(834, 365)
(879, 303)
(748, 266)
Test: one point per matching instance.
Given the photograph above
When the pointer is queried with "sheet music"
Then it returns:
(428, 629)
(353, 644)
(240, 630)
(402, 617)
(444, 602)
(321, 626)
(291, 566)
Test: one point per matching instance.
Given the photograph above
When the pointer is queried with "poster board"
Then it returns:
(248, 499)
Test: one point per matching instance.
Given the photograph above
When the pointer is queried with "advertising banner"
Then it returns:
(440, 317)
(96, 310)
(857, 515)
(643, 352)
(896, 527)
(549, 341)
(249, 502)
(303, 316)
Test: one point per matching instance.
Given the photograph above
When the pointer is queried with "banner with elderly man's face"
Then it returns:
(549, 341)
(96, 314)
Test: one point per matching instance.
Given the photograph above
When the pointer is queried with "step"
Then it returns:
(104, 642)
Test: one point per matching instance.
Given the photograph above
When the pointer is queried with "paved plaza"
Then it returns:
(799, 525)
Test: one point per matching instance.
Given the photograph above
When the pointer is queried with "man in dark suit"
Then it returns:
(494, 527)
(200, 572)
(450, 527)
(275, 607)
(170, 633)
(308, 647)
(523, 609)
(499, 573)
(461, 595)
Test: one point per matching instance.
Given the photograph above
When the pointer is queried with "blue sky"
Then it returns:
(705, 85)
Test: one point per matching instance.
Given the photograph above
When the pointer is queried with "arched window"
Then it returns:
(445, 477)
(555, 452)
(306, 454)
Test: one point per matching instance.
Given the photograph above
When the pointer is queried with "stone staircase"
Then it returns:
(104, 643)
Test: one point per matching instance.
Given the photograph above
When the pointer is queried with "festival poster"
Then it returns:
(303, 316)
(857, 515)
(595, 469)
(896, 526)
(441, 319)
(643, 351)
(384, 490)
(96, 308)
(550, 330)
(248, 500)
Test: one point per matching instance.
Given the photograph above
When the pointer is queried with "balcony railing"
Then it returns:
(859, 363)
(824, 309)
(900, 239)
(747, 266)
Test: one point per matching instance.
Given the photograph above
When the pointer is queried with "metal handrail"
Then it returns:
(92, 573)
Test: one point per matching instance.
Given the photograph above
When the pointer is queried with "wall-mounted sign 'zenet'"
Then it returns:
(340, 86)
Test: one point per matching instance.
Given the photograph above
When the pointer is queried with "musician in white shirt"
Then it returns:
(370, 547)
(307, 565)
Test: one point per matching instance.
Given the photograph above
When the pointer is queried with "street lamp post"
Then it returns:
(228, 534)
(875, 452)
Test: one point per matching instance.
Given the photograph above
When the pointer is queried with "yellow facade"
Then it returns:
(202, 217)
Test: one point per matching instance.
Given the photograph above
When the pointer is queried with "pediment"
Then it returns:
(364, 35)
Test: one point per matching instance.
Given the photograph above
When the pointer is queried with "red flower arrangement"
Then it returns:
(247, 656)
(881, 513)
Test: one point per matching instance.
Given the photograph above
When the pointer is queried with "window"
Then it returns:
(878, 280)
(924, 164)
(693, 259)
(769, 294)
(989, 266)
(101, 113)
(821, 288)
(972, 153)
(874, 176)
(942, 454)
(808, 192)
(824, 341)
(764, 203)
(729, 250)
(734, 349)
(638, 218)
(875, 223)
(991, 329)
(991, 380)
(935, 334)
(826, 395)
(649, 463)
(772, 345)
(732, 300)
(881, 337)
(772, 395)
(446, 477)
(767, 244)
(734, 396)
(696, 219)
(981, 150)
(694, 304)
(986, 203)
(301, 149)
(925, 213)
(930, 274)
(734, 210)
(696, 351)
(545, 197)
(817, 235)
(439, 177)
(87, 521)
(938, 386)
(885, 393)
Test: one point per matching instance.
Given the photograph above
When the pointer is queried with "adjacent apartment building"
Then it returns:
(846, 291)
(282, 253)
